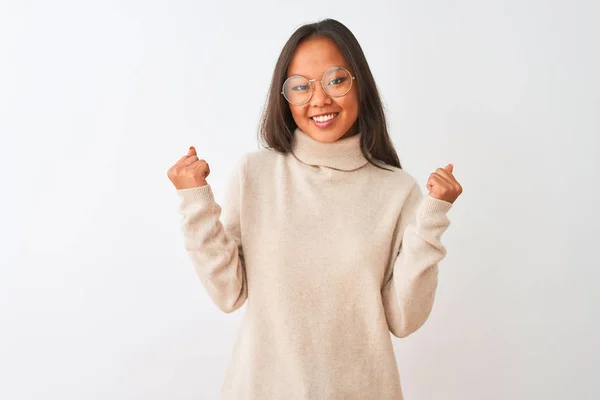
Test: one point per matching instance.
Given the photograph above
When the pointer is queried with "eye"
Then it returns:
(337, 81)
(300, 88)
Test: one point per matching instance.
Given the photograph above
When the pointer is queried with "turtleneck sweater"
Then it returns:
(331, 256)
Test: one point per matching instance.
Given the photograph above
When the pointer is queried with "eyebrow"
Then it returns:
(333, 66)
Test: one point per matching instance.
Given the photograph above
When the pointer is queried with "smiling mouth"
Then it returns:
(324, 118)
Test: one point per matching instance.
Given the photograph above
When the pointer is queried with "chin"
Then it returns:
(324, 136)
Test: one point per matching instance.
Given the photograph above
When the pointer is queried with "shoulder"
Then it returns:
(258, 160)
(261, 156)
(392, 176)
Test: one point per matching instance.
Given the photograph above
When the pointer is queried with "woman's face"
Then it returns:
(311, 59)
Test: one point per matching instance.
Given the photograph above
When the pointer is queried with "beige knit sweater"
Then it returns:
(330, 254)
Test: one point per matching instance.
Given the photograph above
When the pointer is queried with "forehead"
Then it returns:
(314, 56)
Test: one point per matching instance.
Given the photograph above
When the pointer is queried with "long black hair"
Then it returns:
(277, 124)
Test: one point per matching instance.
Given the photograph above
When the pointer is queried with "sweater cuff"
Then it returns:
(203, 194)
(431, 206)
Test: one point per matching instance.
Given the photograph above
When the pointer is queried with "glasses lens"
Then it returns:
(297, 90)
(337, 81)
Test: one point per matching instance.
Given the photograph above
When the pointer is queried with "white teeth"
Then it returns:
(324, 118)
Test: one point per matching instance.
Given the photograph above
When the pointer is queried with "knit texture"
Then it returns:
(330, 254)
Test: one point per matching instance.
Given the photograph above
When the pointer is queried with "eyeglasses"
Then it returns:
(336, 82)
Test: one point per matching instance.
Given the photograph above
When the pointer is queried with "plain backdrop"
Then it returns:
(98, 299)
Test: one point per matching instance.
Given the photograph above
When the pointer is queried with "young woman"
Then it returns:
(323, 236)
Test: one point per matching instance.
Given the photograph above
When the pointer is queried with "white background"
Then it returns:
(98, 299)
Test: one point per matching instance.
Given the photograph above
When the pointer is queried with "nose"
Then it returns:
(319, 97)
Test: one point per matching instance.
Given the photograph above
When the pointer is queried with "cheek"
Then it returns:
(354, 99)
(349, 104)
(299, 113)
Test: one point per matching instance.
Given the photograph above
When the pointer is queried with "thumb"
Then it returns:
(449, 168)
(192, 151)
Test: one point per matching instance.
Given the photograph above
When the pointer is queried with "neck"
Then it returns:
(343, 154)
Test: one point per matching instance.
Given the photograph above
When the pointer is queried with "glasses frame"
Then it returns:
(310, 82)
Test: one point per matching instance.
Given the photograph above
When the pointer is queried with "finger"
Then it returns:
(201, 164)
(189, 161)
(192, 151)
(449, 168)
(447, 176)
(440, 188)
(450, 179)
(198, 164)
(183, 160)
(437, 180)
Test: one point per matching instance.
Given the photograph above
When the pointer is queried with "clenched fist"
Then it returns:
(189, 172)
(443, 186)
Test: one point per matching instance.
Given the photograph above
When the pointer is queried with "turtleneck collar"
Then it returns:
(343, 154)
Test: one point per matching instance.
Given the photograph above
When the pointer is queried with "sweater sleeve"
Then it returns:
(213, 240)
(408, 295)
